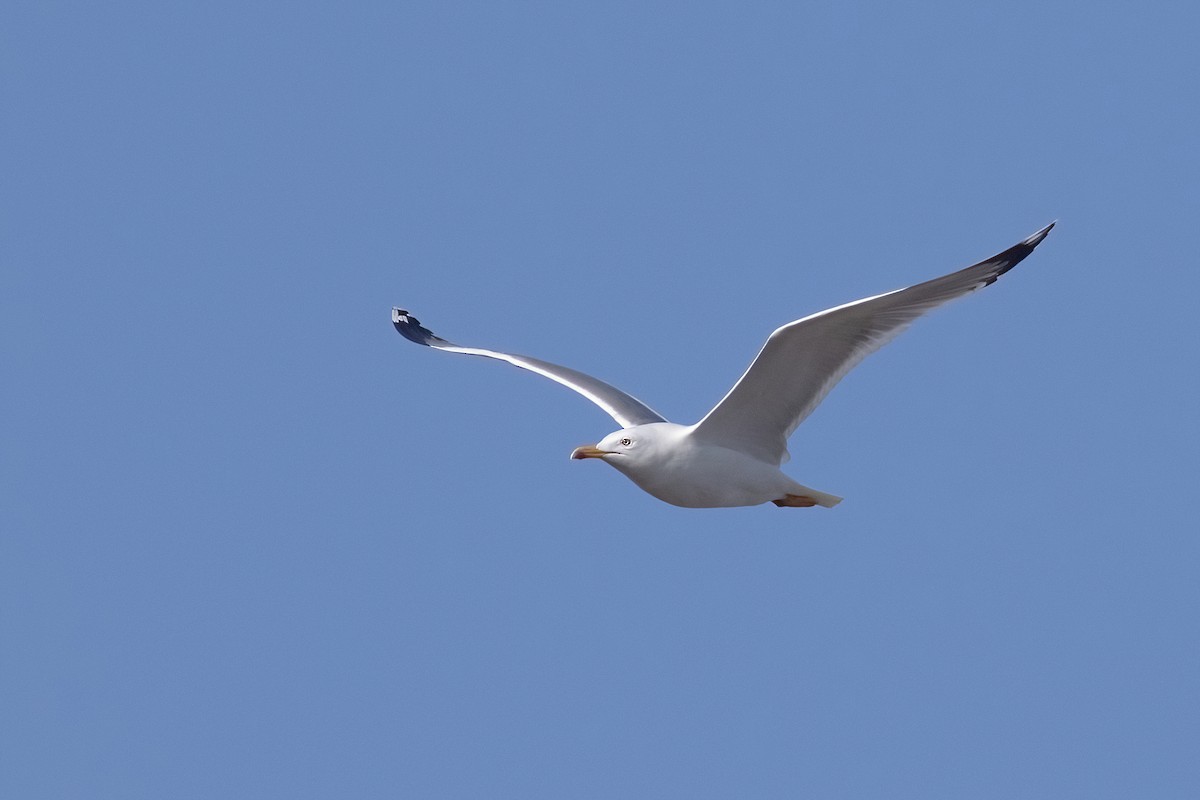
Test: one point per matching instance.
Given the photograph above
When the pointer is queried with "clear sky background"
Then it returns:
(254, 544)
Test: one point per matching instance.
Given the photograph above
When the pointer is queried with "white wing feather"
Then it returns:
(803, 360)
(624, 408)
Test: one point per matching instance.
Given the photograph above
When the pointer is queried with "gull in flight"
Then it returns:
(732, 456)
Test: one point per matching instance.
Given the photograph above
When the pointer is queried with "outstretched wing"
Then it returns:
(804, 359)
(625, 409)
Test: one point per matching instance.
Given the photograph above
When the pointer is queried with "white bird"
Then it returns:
(732, 456)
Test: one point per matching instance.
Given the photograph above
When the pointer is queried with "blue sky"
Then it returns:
(256, 545)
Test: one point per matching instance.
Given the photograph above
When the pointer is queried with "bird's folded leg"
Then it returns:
(795, 501)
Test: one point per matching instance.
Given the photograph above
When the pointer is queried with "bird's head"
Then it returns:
(620, 444)
(630, 448)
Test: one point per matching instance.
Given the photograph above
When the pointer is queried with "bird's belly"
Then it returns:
(733, 480)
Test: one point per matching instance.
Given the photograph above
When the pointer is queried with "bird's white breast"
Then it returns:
(686, 473)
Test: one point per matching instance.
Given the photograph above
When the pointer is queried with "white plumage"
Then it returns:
(732, 456)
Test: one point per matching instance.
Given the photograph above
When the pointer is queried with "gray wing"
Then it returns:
(625, 409)
(804, 359)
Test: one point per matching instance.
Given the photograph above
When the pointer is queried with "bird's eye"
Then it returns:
(626, 442)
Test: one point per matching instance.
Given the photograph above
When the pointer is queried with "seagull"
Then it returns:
(732, 456)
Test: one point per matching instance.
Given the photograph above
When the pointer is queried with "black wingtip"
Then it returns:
(1036, 239)
(1014, 255)
(410, 328)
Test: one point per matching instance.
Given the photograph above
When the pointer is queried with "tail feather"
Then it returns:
(822, 498)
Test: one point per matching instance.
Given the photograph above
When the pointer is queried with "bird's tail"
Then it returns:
(823, 499)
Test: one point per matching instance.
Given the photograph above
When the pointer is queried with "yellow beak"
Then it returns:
(588, 451)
